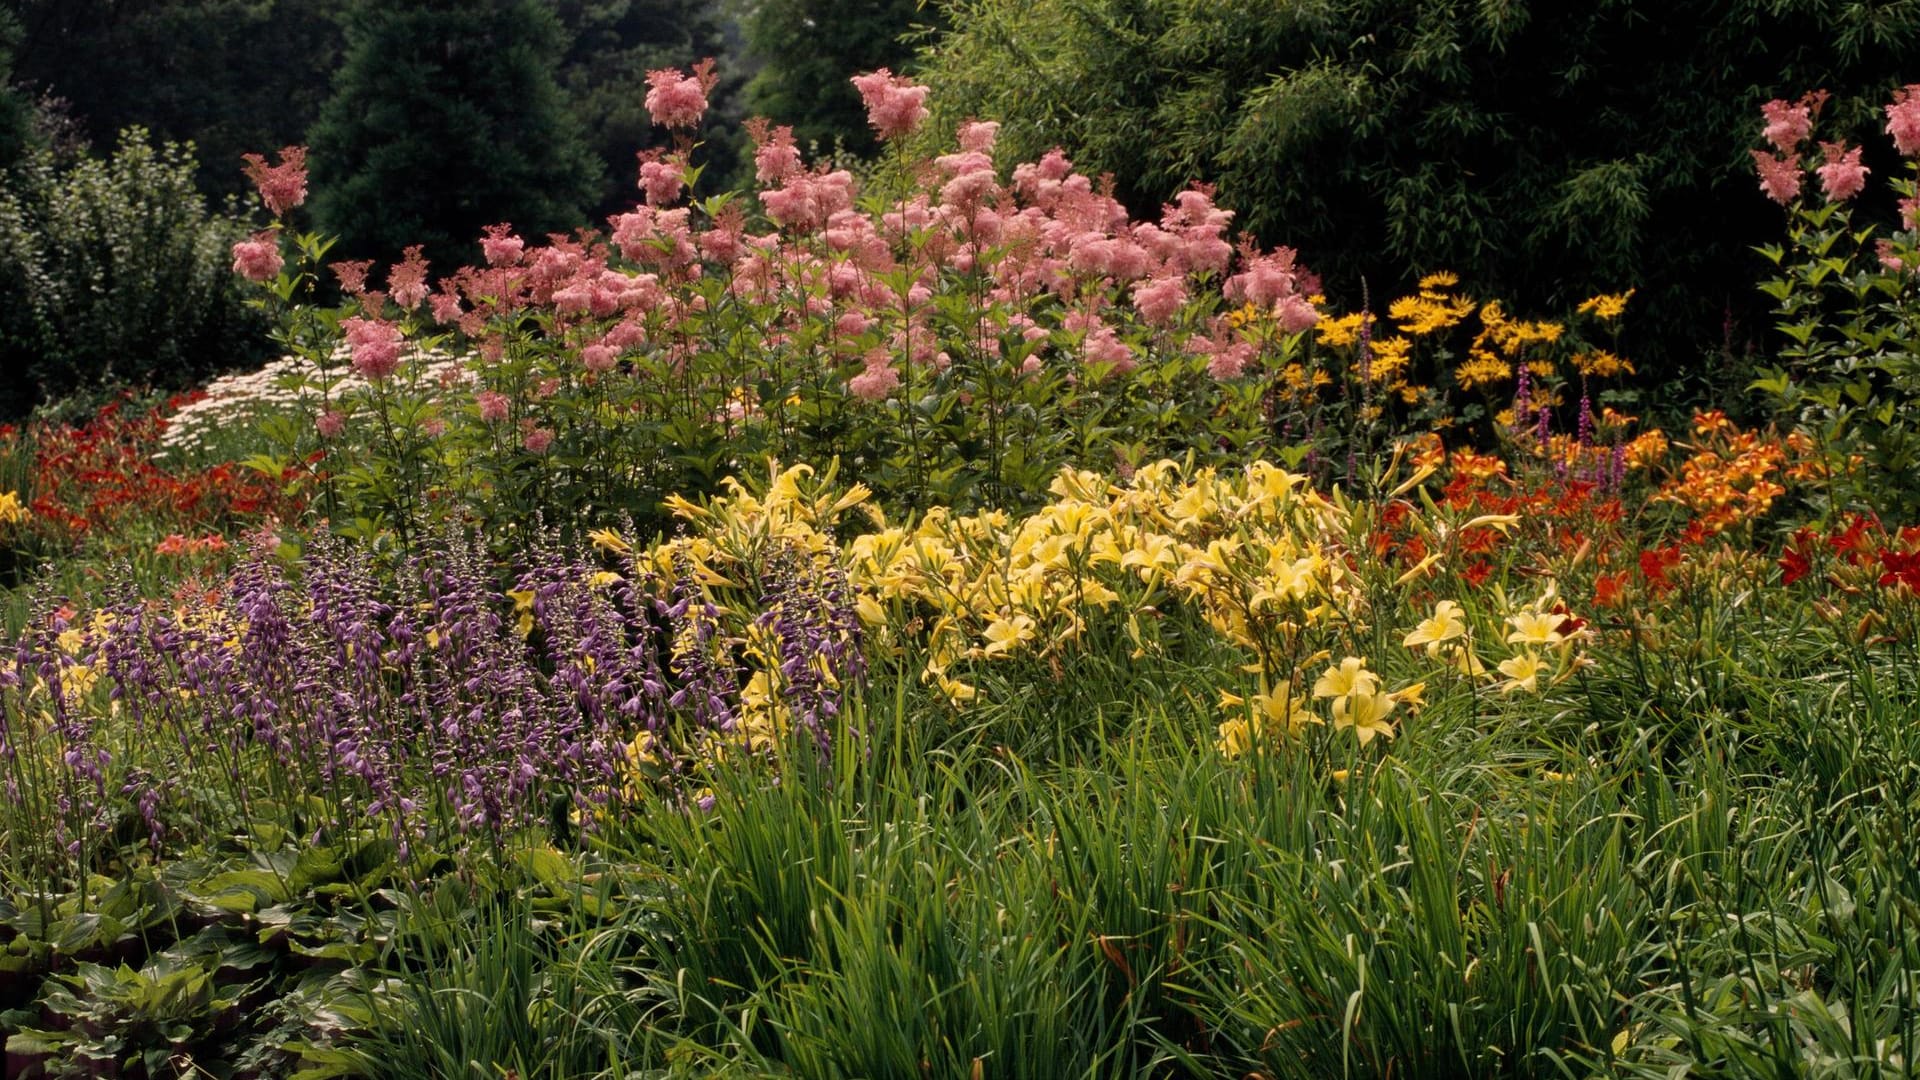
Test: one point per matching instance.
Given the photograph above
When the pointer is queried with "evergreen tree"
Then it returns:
(446, 118)
(16, 111)
(806, 50)
(231, 76)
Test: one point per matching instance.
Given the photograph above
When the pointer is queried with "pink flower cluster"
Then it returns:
(375, 345)
(895, 106)
(678, 101)
(1903, 120)
(492, 404)
(258, 257)
(407, 279)
(1790, 123)
(284, 186)
(1065, 274)
(775, 155)
(1842, 175)
(662, 179)
(1780, 176)
(501, 247)
(806, 201)
(1275, 283)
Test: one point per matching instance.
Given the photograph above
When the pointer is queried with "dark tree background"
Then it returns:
(446, 117)
(16, 111)
(230, 76)
(806, 50)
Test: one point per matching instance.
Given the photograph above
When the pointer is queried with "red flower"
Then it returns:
(1794, 563)
(1609, 590)
(1655, 563)
(1570, 624)
(1477, 574)
(1903, 568)
(1696, 534)
(1853, 542)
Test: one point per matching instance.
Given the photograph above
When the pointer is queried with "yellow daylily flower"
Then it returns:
(1535, 628)
(12, 511)
(523, 609)
(1366, 713)
(1348, 678)
(1522, 672)
(1281, 712)
(1413, 696)
(611, 542)
(1236, 737)
(1501, 522)
(1446, 623)
(1007, 634)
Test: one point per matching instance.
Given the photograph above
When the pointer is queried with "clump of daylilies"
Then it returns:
(1263, 562)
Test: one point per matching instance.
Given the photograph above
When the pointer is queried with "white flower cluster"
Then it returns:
(291, 384)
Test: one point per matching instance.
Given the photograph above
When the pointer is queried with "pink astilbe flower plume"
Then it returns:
(1268, 280)
(1780, 177)
(1157, 299)
(895, 106)
(407, 280)
(352, 274)
(1788, 123)
(977, 136)
(501, 247)
(493, 405)
(662, 178)
(679, 101)
(877, 380)
(257, 258)
(775, 156)
(284, 186)
(375, 345)
(1903, 120)
(1842, 177)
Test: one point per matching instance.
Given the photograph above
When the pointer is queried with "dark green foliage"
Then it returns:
(808, 49)
(114, 272)
(446, 118)
(1545, 152)
(233, 76)
(16, 112)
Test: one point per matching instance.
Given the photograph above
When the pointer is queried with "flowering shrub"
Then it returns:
(1847, 303)
(959, 334)
(956, 331)
(205, 423)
